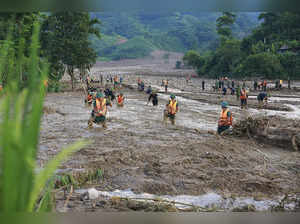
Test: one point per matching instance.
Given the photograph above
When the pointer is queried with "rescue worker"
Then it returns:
(243, 98)
(109, 94)
(154, 98)
(166, 82)
(120, 98)
(224, 91)
(1, 89)
(232, 91)
(225, 120)
(280, 83)
(98, 115)
(115, 81)
(89, 98)
(265, 85)
(171, 109)
(88, 81)
(149, 90)
(255, 85)
(203, 85)
(262, 99)
(142, 86)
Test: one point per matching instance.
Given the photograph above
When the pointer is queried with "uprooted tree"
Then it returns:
(272, 130)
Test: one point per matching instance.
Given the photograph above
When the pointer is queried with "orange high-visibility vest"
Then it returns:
(243, 94)
(224, 118)
(265, 83)
(172, 107)
(101, 107)
(89, 97)
(120, 99)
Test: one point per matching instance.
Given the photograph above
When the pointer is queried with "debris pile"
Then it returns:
(272, 129)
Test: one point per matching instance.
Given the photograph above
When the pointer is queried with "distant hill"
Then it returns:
(136, 35)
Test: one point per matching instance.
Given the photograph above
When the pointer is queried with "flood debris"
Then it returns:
(270, 129)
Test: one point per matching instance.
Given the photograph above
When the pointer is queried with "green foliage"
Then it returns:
(20, 111)
(177, 32)
(224, 24)
(136, 47)
(291, 64)
(264, 64)
(193, 58)
(66, 40)
(257, 54)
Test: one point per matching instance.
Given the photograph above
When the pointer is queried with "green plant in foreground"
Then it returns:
(20, 115)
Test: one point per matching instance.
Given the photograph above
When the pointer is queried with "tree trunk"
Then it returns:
(71, 74)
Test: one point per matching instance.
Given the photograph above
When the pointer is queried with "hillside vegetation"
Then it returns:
(272, 50)
(129, 35)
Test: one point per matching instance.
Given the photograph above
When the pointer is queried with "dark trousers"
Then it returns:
(222, 128)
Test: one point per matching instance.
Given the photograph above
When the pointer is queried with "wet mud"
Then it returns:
(140, 152)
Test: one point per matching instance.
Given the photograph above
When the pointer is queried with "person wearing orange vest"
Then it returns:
(99, 111)
(115, 81)
(265, 85)
(171, 109)
(243, 98)
(225, 120)
(121, 98)
(89, 98)
(166, 83)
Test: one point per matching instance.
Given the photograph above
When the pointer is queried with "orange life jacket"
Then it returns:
(89, 98)
(120, 99)
(265, 83)
(224, 120)
(173, 107)
(243, 95)
(100, 108)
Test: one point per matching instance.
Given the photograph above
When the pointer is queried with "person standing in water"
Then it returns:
(171, 109)
(154, 97)
(225, 120)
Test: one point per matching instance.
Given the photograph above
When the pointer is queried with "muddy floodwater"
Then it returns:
(139, 154)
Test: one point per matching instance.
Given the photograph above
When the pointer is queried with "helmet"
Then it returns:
(224, 104)
(99, 95)
(172, 96)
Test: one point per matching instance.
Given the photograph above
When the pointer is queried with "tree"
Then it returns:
(262, 64)
(291, 64)
(193, 58)
(18, 28)
(224, 24)
(67, 43)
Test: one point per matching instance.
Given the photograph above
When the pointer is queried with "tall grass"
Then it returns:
(20, 115)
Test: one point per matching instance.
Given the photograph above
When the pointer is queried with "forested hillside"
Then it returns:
(126, 35)
(272, 50)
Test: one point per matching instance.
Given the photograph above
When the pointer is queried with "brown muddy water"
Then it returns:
(139, 154)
